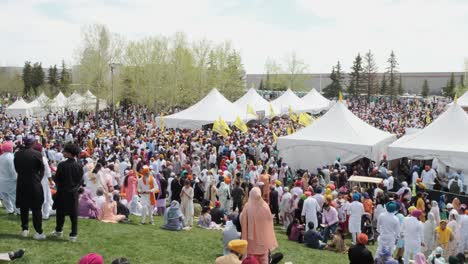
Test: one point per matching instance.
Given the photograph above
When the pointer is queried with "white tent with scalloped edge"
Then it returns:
(338, 133)
(316, 101)
(256, 101)
(290, 99)
(463, 101)
(19, 108)
(40, 105)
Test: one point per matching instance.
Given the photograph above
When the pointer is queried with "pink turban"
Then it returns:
(7, 146)
(92, 258)
(416, 213)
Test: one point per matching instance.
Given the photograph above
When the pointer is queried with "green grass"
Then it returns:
(140, 244)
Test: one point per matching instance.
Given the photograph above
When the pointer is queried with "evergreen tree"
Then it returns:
(267, 82)
(65, 78)
(335, 87)
(401, 91)
(370, 79)
(261, 86)
(27, 77)
(449, 89)
(425, 89)
(37, 77)
(392, 71)
(356, 85)
(383, 85)
(52, 77)
(462, 81)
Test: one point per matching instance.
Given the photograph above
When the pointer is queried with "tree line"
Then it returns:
(35, 80)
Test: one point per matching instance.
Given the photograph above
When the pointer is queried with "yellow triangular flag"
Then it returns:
(428, 118)
(272, 112)
(161, 122)
(240, 125)
(224, 125)
(275, 137)
(251, 111)
(292, 115)
(219, 129)
(289, 130)
(340, 96)
(305, 119)
(67, 124)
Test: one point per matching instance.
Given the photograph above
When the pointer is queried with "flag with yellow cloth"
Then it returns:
(272, 112)
(428, 117)
(292, 115)
(219, 129)
(240, 125)
(290, 130)
(251, 111)
(340, 96)
(161, 122)
(275, 137)
(224, 125)
(305, 119)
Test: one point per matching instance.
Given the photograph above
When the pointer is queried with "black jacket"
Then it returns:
(359, 254)
(69, 179)
(30, 169)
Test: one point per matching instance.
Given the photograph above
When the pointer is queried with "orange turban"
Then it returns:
(362, 239)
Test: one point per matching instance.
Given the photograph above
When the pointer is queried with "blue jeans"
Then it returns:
(329, 230)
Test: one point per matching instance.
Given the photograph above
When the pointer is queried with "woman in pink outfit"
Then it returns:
(129, 186)
(108, 212)
(257, 227)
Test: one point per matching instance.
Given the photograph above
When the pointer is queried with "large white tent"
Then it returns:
(316, 101)
(290, 99)
(256, 101)
(206, 111)
(40, 105)
(59, 103)
(445, 139)
(75, 101)
(338, 133)
(463, 100)
(89, 102)
(19, 108)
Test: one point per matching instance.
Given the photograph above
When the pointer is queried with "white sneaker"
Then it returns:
(39, 236)
(73, 238)
(57, 234)
(25, 233)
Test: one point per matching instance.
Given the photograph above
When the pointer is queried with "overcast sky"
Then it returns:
(426, 35)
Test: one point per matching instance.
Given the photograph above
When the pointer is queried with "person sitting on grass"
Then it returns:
(312, 238)
(337, 244)
(92, 258)
(87, 205)
(12, 255)
(237, 248)
(205, 219)
(100, 199)
(217, 214)
(121, 208)
(295, 231)
(108, 212)
(173, 218)
(385, 257)
(359, 254)
(229, 233)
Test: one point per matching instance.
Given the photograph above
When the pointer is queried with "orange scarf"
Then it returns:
(151, 185)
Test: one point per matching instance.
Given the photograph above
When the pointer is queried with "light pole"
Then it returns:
(114, 123)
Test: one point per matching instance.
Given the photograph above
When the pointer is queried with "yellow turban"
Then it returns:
(238, 246)
(411, 209)
(278, 182)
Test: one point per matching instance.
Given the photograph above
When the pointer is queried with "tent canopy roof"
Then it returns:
(255, 100)
(19, 104)
(316, 101)
(290, 99)
(463, 100)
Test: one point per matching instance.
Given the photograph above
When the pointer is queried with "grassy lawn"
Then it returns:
(140, 244)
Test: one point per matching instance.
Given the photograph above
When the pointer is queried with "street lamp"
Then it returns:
(112, 67)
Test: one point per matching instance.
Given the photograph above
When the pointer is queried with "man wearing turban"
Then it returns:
(413, 234)
(355, 212)
(388, 227)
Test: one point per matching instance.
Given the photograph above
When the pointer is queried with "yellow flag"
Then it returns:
(67, 124)
(289, 130)
(251, 111)
(340, 96)
(224, 125)
(219, 129)
(428, 118)
(275, 137)
(42, 131)
(272, 112)
(240, 125)
(292, 115)
(161, 122)
(305, 119)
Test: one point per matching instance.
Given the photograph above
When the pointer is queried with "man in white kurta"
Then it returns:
(8, 178)
(355, 212)
(47, 205)
(309, 210)
(147, 187)
(428, 176)
(413, 234)
(463, 243)
(388, 227)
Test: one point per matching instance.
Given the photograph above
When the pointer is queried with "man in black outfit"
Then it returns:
(274, 204)
(237, 197)
(69, 179)
(359, 254)
(217, 214)
(29, 194)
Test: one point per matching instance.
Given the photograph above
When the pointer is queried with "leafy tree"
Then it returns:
(275, 79)
(336, 86)
(295, 73)
(12, 84)
(37, 77)
(383, 85)
(425, 89)
(392, 71)
(449, 89)
(356, 85)
(401, 90)
(27, 77)
(370, 79)
(65, 78)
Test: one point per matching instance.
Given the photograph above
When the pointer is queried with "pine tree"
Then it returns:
(370, 79)
(335, 87)
(65, 78)
(27, 77)
(356, 85)
(267, 82)
(392, 71)
(449, 89)
(401, 91)
(383, 85)
(425, 89)
(37, 77)
(462, 81)
(261, 86)
(52, 77)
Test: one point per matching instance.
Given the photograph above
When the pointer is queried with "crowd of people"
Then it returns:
(78, 165)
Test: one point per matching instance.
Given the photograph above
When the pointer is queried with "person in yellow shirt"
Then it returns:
(421, 206)
(238, 248)
(443, 235)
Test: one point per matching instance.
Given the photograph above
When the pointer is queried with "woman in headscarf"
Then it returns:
(174, 219)
(8, 178)
(205, 219)
(229, 233)
(453, 225)
(428, 234)
(186, 197)
(135, 206)
(456, 205)
(435, 211)
(420, 259)
(87, 206)
(108, 212)
(129, 186)
(257, 227)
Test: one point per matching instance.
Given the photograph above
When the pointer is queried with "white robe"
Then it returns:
(355, 212)
(428, 233)
(413, 234)
(388, 227)
(463, 243)
(8, 182)
(47, 205)
(309, 210)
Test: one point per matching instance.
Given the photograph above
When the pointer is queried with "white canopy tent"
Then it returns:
(338, 133)
(256, 101)
(89, 102)
(316, 101)
(463, 100)
(290, 99)
(19, 108)
(445, 139)
(40, 105)
(75, 101)
(59, 103)
(206, 111)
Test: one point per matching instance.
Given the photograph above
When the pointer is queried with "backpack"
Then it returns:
(455, 188)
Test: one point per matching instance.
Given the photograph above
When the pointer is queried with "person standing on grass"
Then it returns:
(29, 193)
(186, 206)
(8, 178)
(69, 179)
(147, 187)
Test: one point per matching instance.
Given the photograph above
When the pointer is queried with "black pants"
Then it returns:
(60, 217)
(36, 217)
(237, 204)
